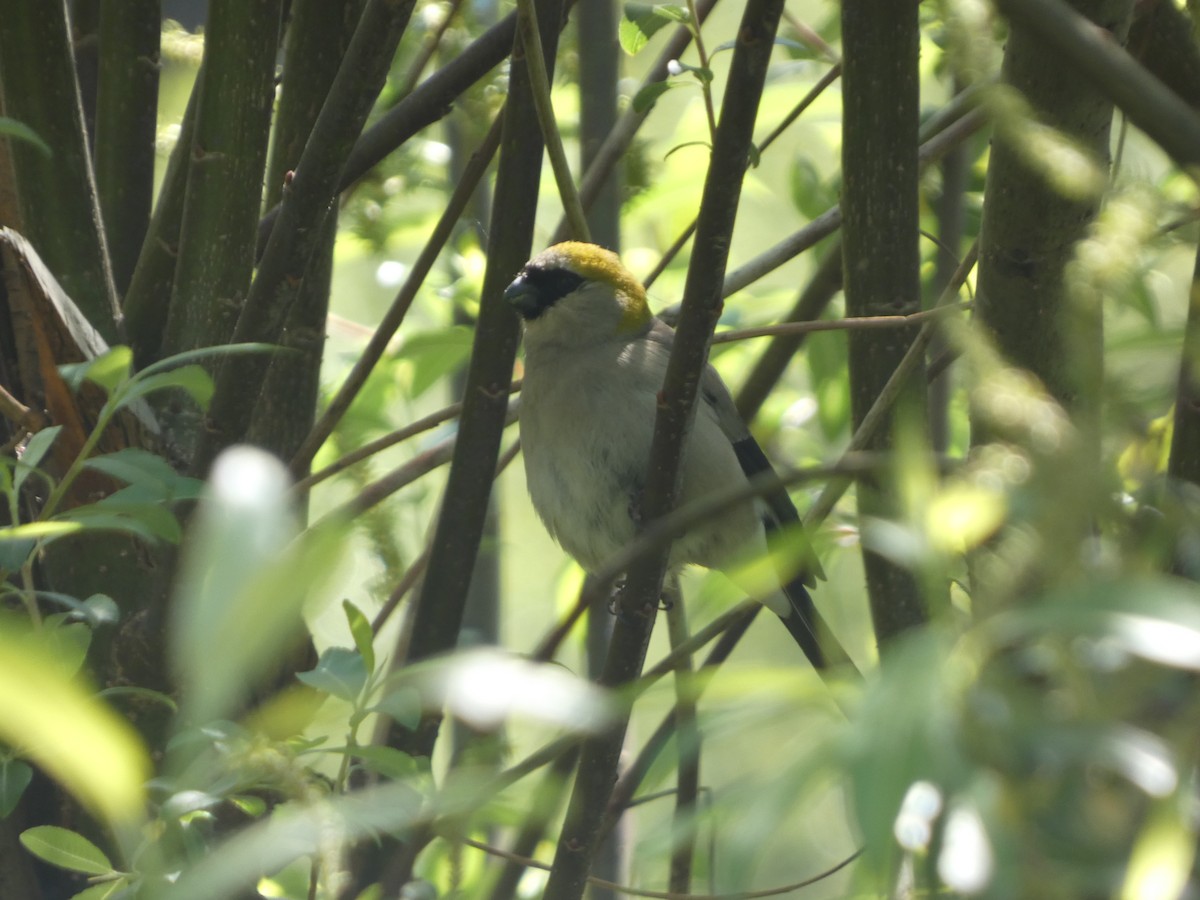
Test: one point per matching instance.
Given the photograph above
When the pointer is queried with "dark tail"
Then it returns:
(801, 622)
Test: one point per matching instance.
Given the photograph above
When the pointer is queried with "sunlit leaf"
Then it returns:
(963, 516)
(1157, 619)
(642, 20)
(966, 860)
(108, 370)
(364, 637)
(65, 849)
(244, 581)
(106, 890)
(192, 379)
(486, 687)
(38, 530)
(152, 521)
(1162, 856)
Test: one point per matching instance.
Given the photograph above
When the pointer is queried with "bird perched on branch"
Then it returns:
(595, 361)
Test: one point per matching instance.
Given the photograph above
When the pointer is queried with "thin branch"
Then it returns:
(806, 101)
(687, 743)
(388, 325)
(913, 360)
(1091, 50)
(417, 568)
(610, 153)
(859, 323)
(431, 100)
(539, 83)
(531, 863)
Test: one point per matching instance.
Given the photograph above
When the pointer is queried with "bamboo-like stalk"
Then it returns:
(1083, 38)
(148, 296)
(57, 209)
(306, 203)
(126, 124)
(881, 107)
(224, 181)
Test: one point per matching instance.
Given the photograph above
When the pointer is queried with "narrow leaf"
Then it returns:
(65, 849)
(364, 637)
(35, 451)
(22, 132)
(15, 775)
(193, 379)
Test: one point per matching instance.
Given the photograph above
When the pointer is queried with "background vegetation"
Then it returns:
(278, 619)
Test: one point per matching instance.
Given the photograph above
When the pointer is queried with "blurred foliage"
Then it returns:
(1037, 739)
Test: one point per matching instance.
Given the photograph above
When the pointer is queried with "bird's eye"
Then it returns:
(536, 290)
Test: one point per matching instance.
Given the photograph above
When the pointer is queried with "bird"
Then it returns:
(595, 362)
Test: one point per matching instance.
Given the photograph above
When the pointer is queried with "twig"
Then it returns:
(530, 863)
(805, 102)
(913, 358)
(373, 352)
(539, 83)
(610, 153)
(861, 323)
(1090, 49)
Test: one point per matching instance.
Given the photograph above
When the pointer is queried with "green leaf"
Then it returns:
(193, 379)
(109, 370)
(434, 354)
(39, 530)
(644, 100)
(642, 20)
(249, 804)
(103, 891)
(119, 513)
(702, 74)
(35, 451)
(15, 775)
(63, 729)
(244, 582)
(65, 849)
(136, 466)
(364, 637)
(340, 672)
(22, 132)
(141, 693)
